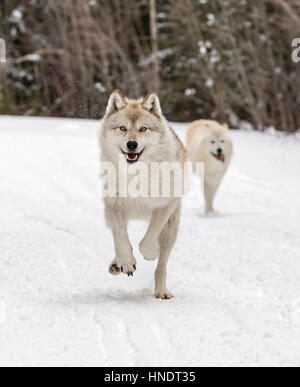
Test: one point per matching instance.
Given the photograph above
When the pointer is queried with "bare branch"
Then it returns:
(154, 40)
(35, 56)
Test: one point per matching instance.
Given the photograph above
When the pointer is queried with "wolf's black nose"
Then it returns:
(220, 151)
(132, 145)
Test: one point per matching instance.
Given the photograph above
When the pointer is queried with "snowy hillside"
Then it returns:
(236, 276)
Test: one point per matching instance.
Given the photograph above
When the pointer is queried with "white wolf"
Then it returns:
(135, 132)
(210, 143)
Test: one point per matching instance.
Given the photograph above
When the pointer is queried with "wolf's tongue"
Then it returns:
(132, 156)
(222, 158)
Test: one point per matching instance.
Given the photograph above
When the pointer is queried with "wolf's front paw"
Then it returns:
(163, 294)
(125, 266)
(150, 251)
(209, 211)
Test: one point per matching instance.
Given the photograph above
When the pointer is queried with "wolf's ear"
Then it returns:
(152, 104)
(226, 126)
(116, 102)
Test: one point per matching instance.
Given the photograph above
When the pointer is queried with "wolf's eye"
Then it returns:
(213, 142)
(123, 129)
(222, 142)
(143, 130)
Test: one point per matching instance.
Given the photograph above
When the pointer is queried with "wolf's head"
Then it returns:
(218, 142)
(134, 128)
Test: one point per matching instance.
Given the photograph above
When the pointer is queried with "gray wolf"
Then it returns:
(135, 132)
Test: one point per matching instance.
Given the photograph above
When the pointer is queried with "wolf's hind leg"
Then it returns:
(167, 240)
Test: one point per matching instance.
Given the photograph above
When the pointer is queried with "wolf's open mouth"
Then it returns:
(132, 157)
(219, 157)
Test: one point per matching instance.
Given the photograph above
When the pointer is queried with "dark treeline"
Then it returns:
(227, 60)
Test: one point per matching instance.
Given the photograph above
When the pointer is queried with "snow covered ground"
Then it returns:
(236, 276)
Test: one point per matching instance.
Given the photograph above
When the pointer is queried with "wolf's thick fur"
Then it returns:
(141, 124)
(210, 143)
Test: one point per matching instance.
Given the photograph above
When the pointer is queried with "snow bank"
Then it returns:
(236, 276)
